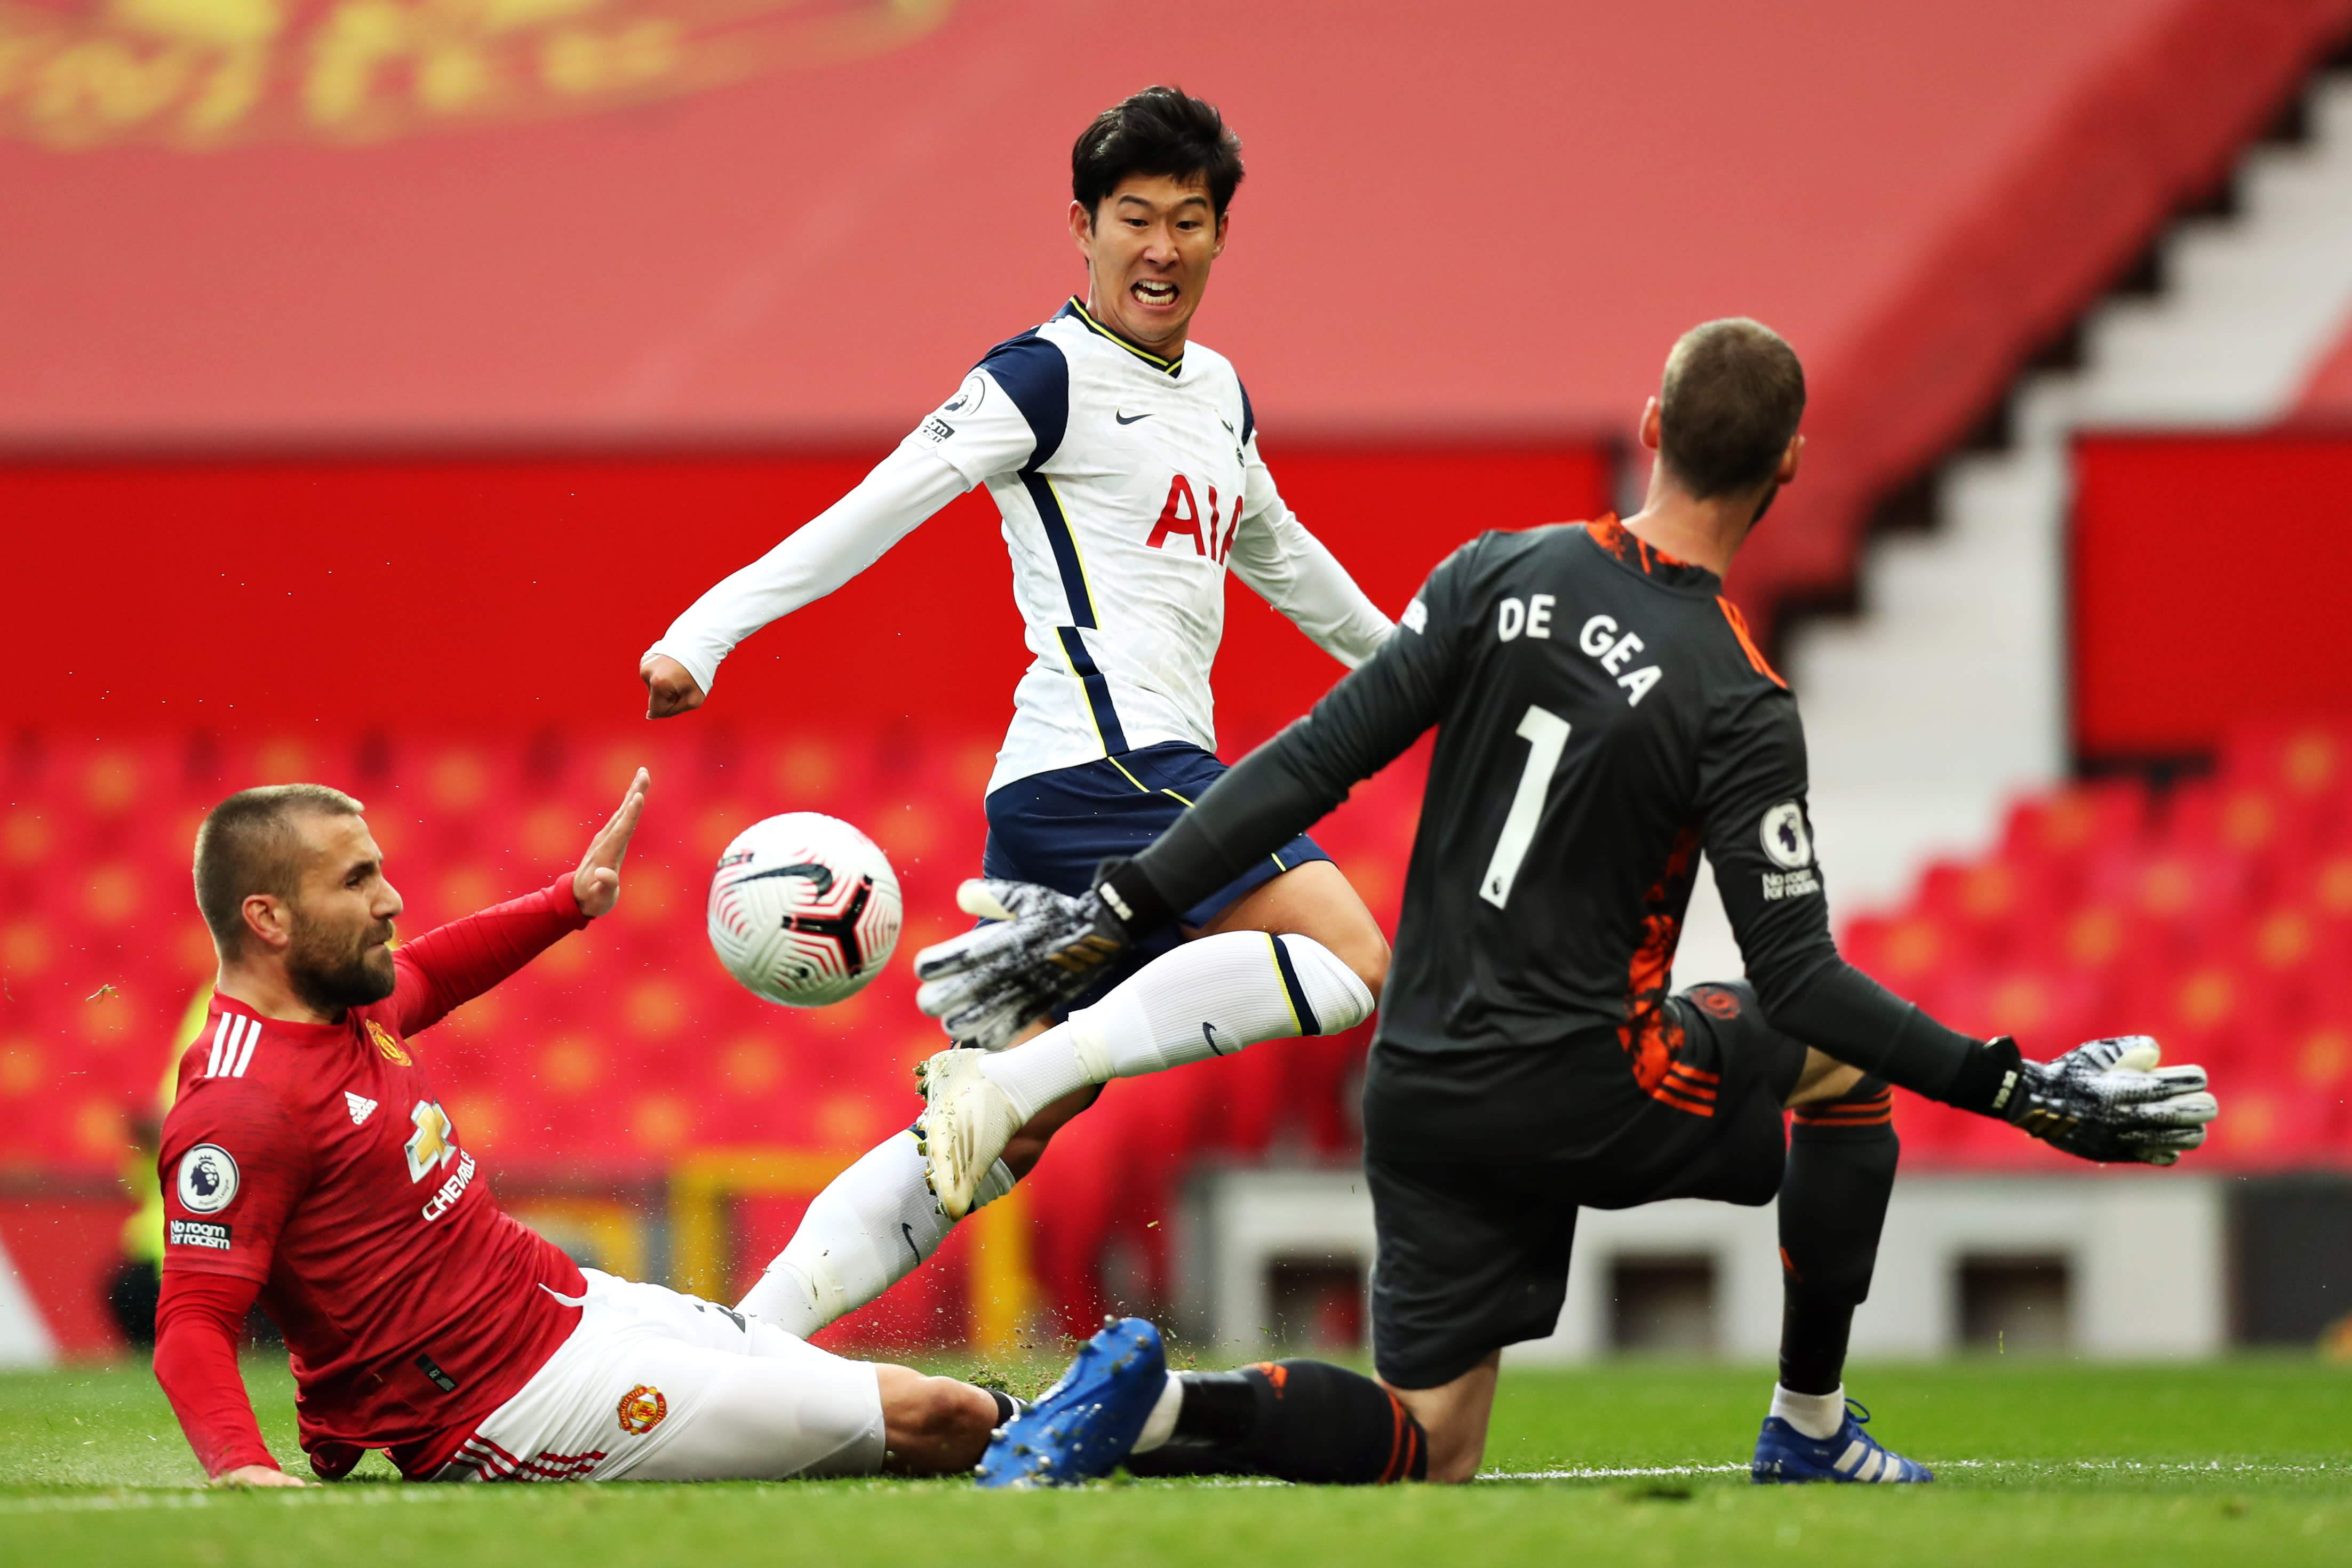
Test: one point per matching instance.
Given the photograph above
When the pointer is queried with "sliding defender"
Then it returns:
(309, 1164)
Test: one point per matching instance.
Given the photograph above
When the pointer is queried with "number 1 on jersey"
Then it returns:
(1546, 734)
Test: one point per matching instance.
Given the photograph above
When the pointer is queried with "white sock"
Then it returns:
(1817, 1415)
(1208, 998)
(1161, 1425)
(872, 1226)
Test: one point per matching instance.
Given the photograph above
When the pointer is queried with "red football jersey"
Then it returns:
(320, 1161)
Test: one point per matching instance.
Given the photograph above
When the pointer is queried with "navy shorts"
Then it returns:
(1053, 829)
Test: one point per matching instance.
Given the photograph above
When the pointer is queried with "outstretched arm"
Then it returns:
(2105, 1101)
(1293, 782)
(1290, 569)
(453, 964)
(902, 492)
(1001, 418)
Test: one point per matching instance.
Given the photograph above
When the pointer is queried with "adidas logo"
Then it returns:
(361, 1108)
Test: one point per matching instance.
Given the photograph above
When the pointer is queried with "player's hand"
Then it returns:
(1044, 948)
(257, 1476)
(2109, 1101)
(669, 690)
(597, 883)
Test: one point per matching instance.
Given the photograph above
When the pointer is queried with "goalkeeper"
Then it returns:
(1602, 718)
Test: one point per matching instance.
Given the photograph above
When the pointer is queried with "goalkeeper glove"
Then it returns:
(2109, 1101)
(1042, 949)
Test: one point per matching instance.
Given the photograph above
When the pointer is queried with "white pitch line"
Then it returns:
(1603, 1473)
(2210, 1467)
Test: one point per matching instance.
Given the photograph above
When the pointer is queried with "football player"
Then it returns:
(1602, 718)
(309, 1163)
(1124, 457)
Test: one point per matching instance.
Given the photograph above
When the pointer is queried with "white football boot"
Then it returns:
(967, 1121)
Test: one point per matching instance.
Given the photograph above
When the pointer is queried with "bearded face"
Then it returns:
(338, 959)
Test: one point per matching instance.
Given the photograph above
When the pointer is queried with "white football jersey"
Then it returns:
(1128, 484)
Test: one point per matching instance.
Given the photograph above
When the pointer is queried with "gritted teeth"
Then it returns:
(1153, 293)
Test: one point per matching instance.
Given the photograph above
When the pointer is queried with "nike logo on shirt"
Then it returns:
(1127, 418)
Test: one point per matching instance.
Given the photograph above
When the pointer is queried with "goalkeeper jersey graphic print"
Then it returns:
(1128, 485)
(1602, 719)
(322, 1161)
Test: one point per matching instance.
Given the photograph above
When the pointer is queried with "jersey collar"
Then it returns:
(288, 1030)
(1632, 550)
(1076, 308)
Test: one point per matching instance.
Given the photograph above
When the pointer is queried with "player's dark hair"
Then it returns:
(1728, 406)
(1159, 130)
(247, 844)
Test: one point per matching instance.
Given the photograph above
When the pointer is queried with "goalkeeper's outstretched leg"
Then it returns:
(1118, 1405)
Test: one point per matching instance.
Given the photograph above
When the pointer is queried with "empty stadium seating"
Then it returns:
(2216, 915)
(614, 1050)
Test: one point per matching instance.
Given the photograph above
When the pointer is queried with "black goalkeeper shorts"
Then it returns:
(1474, 1248)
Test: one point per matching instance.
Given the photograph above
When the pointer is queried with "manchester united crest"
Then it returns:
(642, 1409)
(204, 73)
(387, 1047)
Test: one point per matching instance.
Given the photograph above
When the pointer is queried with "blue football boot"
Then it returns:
(1083, 1426)
(1785, 1453)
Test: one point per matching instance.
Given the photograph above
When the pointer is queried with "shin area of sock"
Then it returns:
(872, 1226)
(1322, 1424)
(1814, 1332)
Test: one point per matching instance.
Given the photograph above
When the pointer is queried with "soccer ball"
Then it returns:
(804, 909)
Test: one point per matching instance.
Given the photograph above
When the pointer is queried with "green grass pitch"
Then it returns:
(2246, 1461)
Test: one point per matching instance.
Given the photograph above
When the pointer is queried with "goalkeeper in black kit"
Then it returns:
(1602, 719)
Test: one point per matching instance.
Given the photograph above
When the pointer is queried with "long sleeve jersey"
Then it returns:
(1602, 718)
(1128, 485)
(316, 1167)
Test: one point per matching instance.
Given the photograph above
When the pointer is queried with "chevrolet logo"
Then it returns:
(435, 1142)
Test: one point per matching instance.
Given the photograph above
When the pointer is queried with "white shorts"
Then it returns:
(657, 1386)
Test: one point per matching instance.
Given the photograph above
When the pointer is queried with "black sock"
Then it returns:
(1812, 1340)
(1008, 1408)
(1296, 1420)
(1841, 1170)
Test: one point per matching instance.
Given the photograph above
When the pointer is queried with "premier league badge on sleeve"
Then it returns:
(1784, 836)
(207, 1179)
(1787, 842)
(968, 397)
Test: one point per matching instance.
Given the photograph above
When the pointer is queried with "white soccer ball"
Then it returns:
(804, 909)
